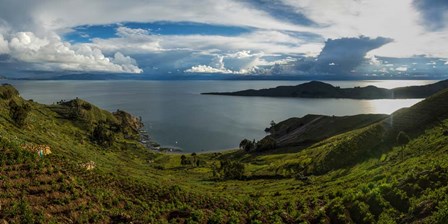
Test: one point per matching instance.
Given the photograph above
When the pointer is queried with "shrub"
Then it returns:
(265, 144)
(247, 145)
(102, 135)
(184, 160)
(19, 113)
(441, 215)
(231, 169)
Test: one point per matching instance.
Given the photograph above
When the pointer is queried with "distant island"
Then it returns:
(317, 89)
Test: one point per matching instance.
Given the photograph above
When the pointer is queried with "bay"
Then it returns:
(176, 115)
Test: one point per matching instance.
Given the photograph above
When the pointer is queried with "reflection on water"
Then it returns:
(176, 114)
(388, 84)
(387, 106)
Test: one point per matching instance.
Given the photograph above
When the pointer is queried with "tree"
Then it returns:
(19, 113)
(247, 145)
(184, 160)
(243, 143)
(272, 128)
(194, 159)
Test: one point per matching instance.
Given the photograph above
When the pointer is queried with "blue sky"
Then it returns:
(85, 33)
(345, 38)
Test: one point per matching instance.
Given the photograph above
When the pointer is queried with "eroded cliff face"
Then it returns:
(128, 121)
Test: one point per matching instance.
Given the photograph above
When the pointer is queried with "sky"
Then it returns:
(178, 38)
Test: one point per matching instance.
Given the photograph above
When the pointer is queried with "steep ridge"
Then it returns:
(354, 146)
(311, 129)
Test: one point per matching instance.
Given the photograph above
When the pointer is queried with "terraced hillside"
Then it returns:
(389, 171)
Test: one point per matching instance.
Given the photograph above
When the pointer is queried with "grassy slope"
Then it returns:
(314, 128)
(397, 183)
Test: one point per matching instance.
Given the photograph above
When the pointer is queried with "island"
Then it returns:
(317, 89)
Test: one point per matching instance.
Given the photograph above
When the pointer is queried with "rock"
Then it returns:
(89, 165)
(128, 121)
(47, 150)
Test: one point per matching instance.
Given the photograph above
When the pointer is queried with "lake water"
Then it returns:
(175, 114)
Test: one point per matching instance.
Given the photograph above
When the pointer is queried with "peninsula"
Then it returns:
(317, 89)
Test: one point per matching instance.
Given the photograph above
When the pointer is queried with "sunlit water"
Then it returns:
(175, 114)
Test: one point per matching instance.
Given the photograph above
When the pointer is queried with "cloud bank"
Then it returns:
(257, 37)
(50, 53)
(345, 54)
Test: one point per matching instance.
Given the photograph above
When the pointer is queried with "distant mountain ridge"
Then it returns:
(317, 89)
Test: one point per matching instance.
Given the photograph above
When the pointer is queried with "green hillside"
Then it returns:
(314, 128)
(391, 170)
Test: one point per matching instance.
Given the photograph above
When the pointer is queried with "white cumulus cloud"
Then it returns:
(241, 62)
(208, 69)
(52, 53)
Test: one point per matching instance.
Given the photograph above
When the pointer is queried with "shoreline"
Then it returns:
(146, 140)
(148, 143)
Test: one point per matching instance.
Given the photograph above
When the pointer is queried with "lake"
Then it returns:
(176, 115)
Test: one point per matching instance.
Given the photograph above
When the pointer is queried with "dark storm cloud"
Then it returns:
(433, 12)
(341, 56)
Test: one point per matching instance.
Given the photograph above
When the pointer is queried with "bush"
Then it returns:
(441, 215)
(19, 113)
(102, 135)
(231, 169)
(247, 145)
(184, 160)
(265, 144)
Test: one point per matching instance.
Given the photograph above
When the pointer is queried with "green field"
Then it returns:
(367, 175)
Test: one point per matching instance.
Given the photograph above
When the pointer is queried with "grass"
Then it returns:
(381, 183)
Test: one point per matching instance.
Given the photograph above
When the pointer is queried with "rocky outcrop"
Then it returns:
(128, 122)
